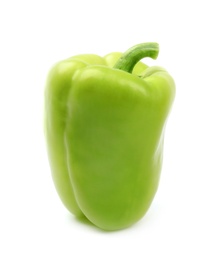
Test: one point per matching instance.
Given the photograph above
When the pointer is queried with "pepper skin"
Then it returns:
(104, 124)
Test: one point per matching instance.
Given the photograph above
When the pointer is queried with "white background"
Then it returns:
(186, 219)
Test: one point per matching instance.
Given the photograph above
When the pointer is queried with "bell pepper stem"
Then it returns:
(133, 55)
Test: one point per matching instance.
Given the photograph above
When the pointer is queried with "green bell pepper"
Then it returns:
(104, 126)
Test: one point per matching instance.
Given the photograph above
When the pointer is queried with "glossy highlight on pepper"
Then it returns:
(105, 121)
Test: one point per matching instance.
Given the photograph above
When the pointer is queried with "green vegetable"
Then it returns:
(104, 121)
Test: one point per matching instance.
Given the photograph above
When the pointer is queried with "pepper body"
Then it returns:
(105, 131)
